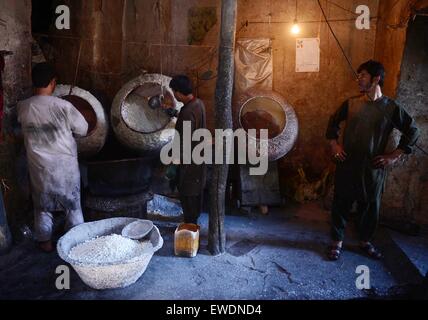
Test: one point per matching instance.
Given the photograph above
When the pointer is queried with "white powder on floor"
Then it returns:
(109, 249)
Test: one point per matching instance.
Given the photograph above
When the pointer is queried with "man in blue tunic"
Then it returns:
(358, 134)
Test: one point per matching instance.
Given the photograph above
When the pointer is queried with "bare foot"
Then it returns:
(46, 246)
(264, 210)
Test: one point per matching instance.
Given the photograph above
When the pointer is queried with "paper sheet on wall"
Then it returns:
(308, 55)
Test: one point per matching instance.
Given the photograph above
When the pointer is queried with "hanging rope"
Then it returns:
(160, 46)
(77, 67)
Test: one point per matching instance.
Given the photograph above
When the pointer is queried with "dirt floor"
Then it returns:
(274, 257)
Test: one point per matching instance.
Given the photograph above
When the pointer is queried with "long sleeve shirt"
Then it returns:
(365, 127)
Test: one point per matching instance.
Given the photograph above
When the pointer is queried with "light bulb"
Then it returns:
(295, 29)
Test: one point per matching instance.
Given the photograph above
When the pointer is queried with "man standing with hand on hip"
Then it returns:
(361, 159)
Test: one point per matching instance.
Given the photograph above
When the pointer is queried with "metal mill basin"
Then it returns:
(137, 125)
(94, 114)
(262, 109)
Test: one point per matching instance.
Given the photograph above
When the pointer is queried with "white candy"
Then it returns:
(109, 249)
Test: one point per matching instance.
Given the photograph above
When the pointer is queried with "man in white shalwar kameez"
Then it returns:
(49, 127)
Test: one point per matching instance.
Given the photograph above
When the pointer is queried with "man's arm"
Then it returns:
(333, 130)
(401, 120)
(407, 126)
(78, 124)
(168, 106)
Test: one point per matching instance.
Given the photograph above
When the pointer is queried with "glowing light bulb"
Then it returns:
(295, 29)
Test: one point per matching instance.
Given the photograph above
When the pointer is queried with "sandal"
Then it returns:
(334, 253)
(371, 251)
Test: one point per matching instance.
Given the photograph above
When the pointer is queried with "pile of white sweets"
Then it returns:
(109, 249)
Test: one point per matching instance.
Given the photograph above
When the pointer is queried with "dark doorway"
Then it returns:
(412, 95)
(43, 15)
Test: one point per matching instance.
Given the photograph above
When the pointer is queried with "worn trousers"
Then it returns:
(192, 208)
(43, 223)
(367, 222)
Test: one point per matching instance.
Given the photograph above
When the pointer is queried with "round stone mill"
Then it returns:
(136, 124)
(120, 176)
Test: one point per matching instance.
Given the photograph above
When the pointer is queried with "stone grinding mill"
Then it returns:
(119, 182)
(263, 109)
(117, 169)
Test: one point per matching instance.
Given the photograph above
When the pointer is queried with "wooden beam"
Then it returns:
(223, 120)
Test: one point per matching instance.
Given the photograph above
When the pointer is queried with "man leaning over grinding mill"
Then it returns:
(191, 177)
(361, 158)
(48, 124)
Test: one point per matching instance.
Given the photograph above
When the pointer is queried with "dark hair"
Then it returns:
(42, 74)
(375, 69)
(181, 84)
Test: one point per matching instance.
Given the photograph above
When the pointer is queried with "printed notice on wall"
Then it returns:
(308, 55)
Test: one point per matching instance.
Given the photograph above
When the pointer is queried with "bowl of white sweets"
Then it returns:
(103, 258)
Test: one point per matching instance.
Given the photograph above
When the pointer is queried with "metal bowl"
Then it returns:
(277, 114)
(95, 115)
(138, 229)
(141, 126)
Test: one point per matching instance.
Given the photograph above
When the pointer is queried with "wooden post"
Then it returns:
(223, 120)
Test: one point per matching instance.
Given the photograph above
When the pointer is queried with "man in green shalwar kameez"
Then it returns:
(367, 122)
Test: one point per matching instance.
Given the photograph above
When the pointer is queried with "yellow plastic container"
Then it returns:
(186, 240)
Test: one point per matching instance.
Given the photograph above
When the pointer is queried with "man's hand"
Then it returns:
(387, 160)
(167, 103)
(167, 106)
(337, 151)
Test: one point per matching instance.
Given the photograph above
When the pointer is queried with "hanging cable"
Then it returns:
(356, 76)
(295, 29)
(161, 97)
(295, 12)
(338, 42)
(319, 27)
(340, 7)
(77, 67)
